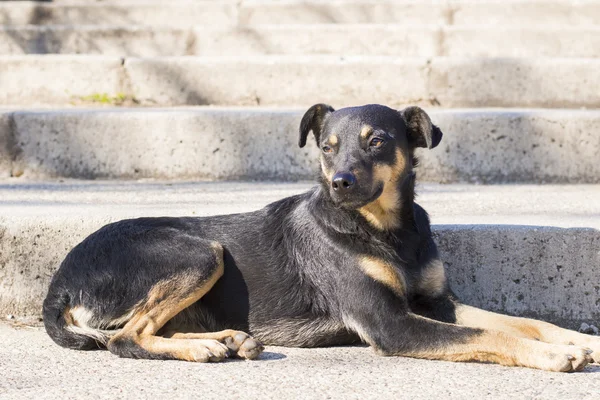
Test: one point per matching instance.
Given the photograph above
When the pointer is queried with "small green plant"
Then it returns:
(104, 98)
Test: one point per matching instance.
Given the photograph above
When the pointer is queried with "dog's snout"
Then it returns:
(343, 182)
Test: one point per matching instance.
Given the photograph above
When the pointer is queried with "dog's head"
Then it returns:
(367, 155)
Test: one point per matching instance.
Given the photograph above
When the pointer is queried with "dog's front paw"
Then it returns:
(206, 350)
(243, 345)
(593, 343)
(560, 358)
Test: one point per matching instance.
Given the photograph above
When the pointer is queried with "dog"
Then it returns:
(350, 261)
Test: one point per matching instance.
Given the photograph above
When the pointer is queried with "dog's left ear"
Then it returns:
(421, 132)
(313, 120)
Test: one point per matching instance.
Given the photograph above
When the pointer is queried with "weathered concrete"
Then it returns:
(514, 146)
(277, 80)
(6, 145)
(168, 144)
(524, 12)
(237, 143)
(136, 41)
(178, 13)
(342, 39)
(58, 79)
(299, 80)
(456, 12)
(156, 13)
(34, 367)
(540, 262)
(520, 41)
(468, 82)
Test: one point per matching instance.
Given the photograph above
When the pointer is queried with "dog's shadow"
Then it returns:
(264, 356)
(271, 356)
(592, 368)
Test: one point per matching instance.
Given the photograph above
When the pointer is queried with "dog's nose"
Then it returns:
(343, 182)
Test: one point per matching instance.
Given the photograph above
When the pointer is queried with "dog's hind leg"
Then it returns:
(526, 328)
(138, 338)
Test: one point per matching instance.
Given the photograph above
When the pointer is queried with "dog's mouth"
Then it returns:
(352, 202)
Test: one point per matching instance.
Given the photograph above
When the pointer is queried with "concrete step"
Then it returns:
(526, 250)
(479, 145)
(178, 13)
(302, 80)
(341, 39)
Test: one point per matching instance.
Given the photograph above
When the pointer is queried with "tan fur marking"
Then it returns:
(383, 272)
(366, 131)
(333, 140)
(328, 174)
(221, 335)
(433, 279)
(383, 212)
(68, 317)
(477, 318)
(526, 328)
(501, 348)
(163, 304)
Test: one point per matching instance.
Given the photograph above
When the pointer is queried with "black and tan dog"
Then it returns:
(350, 261)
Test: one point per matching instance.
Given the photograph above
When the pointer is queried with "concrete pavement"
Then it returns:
(34, 367)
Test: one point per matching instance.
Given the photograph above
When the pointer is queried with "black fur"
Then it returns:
(291, 269)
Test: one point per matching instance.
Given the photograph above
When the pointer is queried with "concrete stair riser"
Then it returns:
(490, 146)
(532, 271)
(389, 40)
(301, 12)
(298, 80)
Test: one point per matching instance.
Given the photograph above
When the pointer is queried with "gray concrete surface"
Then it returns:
(297, 80)
(157, 13)
(526, 250)
(456, 12)
(136, 41)
(177, 13)
(63, 79)
(479, 145)
(6, 148)
(342, 39)
(34, 367)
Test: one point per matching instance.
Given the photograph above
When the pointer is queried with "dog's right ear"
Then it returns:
(313, 120)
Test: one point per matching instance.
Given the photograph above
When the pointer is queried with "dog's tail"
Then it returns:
(63, 330)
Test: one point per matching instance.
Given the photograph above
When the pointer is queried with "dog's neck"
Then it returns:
(384, 217)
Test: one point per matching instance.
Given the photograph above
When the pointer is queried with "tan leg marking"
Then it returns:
(383, 272)
(500, 348)
(526, 328)
(383, 212)
(162, 304)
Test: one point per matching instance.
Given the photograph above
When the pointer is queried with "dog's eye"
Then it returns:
(327, 149)
(376, 142)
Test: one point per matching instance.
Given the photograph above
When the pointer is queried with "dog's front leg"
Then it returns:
(525, 327)
(382, 319)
